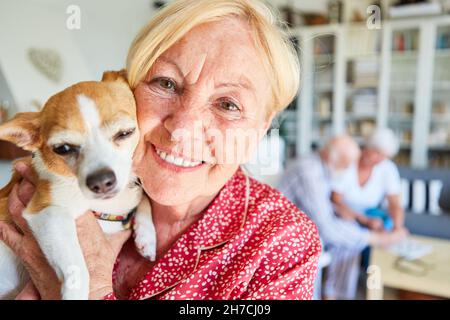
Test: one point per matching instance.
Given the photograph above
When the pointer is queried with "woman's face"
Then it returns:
(202, 109)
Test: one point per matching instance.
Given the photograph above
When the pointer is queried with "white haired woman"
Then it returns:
(203, 73)
(358, 195)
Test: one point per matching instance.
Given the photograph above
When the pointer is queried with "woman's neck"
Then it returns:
(364, 166)
(171, 222)
(180, 214)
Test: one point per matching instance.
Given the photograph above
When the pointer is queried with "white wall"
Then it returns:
(107, 29)
(25, 24)
(5, 95)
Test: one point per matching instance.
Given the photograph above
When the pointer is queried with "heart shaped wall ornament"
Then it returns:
(46, 61)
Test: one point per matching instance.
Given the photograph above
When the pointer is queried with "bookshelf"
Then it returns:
(362, 78)
(355, 78)
(403, 77)
(323, 73)
(439, 135)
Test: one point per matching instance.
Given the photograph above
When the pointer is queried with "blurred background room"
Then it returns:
(366, 65)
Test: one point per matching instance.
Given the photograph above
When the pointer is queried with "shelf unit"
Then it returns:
(355, 78)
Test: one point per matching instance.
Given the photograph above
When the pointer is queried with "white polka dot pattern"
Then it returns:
(270, 253)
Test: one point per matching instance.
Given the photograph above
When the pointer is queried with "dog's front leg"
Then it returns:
(13, 275)
(56, 233)
(144, 230)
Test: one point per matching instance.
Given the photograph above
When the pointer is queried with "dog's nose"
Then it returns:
(102, 181)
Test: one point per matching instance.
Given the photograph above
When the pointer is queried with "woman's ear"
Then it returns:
(23, 130)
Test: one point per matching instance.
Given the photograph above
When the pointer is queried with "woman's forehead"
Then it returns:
(221, 48)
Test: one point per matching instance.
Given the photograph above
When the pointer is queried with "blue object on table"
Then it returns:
(381, 214)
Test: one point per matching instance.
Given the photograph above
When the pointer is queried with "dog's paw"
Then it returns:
(145, 238)
(146, 247)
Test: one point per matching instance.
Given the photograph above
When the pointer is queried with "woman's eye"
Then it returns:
(229, 106)
(124, 134)
(66, 149)
(167, 84)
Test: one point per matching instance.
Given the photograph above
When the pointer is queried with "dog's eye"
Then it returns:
(123, 134)
(66, 149)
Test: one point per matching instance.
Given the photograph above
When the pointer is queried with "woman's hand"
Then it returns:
(100, 250)
(388, 238)
(375, 224)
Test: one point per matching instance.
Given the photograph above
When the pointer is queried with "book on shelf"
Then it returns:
(364, 103)
(439, 136)
(403, 158)
(324, 45)
(363, 73)
(443, 40)
(403, 110)
(406, 40)
(360, 129)
(323, 108)
(441, 108)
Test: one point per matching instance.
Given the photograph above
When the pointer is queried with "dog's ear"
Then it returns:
(115, 76)
(22, 130)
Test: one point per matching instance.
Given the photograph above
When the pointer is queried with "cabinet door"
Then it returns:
(402, 97)
(438, 141)
(363, 65)
(322, 88)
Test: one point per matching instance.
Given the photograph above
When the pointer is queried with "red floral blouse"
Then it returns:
(263, 248)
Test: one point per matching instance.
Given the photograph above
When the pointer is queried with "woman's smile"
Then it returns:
(174, 162)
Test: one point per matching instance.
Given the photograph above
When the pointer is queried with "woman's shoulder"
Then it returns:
(270, 209)
(387, 167)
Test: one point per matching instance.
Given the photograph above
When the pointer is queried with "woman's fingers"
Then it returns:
(29, 293)
(88, 222)
(24, 169)
(88, 225)
(27, 185)
(25, 191)
(16, 207)
(11, 237)
(117, 240)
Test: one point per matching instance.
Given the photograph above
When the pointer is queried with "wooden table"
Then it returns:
(382, 271)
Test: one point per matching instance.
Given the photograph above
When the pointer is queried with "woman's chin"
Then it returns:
(170, 198)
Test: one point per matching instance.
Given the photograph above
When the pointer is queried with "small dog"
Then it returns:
(82, 143)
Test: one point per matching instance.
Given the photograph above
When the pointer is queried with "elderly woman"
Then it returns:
(208, 75)
(361, 191)
(358, 196)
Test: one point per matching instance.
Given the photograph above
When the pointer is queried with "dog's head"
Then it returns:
(88, 131)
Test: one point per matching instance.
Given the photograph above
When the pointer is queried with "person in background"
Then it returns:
(357, 197)
(360, 192)
(308, 184)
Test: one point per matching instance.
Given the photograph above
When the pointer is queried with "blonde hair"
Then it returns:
(176, 19)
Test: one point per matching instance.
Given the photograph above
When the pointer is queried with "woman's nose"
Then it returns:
(189, 118)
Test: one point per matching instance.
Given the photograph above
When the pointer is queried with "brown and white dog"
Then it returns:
(82, 143)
